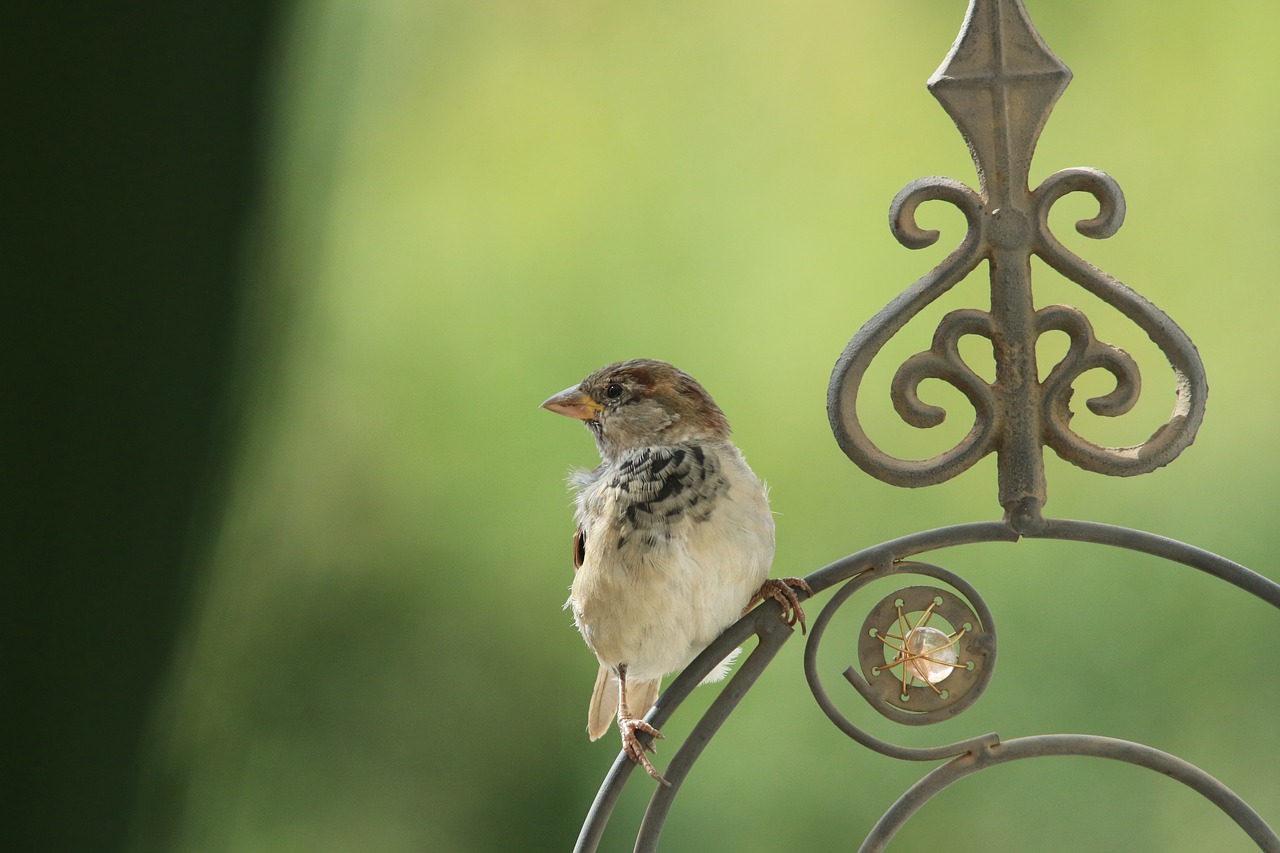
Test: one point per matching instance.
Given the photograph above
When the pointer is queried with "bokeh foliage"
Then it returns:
(475, 204)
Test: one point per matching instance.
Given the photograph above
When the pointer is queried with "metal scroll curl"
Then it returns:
(892, 559)
(910, 670)
(942, 361)
(1042, 746)
(900, 607)
(999, 84)
(1086, 353)
(987, 230)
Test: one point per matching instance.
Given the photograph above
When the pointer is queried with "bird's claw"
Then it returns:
(783, 591)
(635, 750)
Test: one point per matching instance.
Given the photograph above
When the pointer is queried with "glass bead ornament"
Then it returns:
(924, 654)
(929, 654)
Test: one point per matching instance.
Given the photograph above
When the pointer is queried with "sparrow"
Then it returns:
(674, 538)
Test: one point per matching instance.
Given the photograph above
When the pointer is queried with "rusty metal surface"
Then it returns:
(999, 84)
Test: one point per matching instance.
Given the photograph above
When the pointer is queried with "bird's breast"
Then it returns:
(676, 541)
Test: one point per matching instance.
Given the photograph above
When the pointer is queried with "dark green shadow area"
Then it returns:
(131, 152)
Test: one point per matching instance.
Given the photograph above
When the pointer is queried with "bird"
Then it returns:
(674, 539)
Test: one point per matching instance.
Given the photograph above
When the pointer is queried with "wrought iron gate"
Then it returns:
(927, 650)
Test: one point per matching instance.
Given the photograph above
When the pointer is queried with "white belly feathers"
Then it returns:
(682, 537)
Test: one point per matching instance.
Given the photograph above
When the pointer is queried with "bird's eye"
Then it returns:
(614, 391)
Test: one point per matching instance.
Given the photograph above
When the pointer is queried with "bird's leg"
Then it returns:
(629, 725)
(781, 590)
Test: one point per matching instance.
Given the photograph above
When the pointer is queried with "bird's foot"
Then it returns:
(634, 749)
(783, 591)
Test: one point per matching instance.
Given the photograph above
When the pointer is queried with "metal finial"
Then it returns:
(999, 84)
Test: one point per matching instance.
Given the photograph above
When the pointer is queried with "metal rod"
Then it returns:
(1041, 746)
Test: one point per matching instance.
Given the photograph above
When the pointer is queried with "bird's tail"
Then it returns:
(604, 704)
(604, 700)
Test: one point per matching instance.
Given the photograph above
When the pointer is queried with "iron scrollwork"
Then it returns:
(911, 686)
(999, 83)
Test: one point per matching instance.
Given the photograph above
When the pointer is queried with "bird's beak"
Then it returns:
(574, 403)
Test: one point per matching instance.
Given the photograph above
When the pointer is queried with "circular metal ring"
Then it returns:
(882, 689)
(880, 652)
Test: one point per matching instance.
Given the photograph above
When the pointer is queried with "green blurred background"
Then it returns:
(465, 207)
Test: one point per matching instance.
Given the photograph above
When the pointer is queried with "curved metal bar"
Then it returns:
(943, 361)
(1071, 745)
(844, 723)
(1084, 353)
(846, 377)
(1191, 385)
(1097, 183)
(763, 622)
(773, 633)
(911, 545)
(1166, 548)
(884, 560)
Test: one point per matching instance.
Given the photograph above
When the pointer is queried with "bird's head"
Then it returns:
(641, 403)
